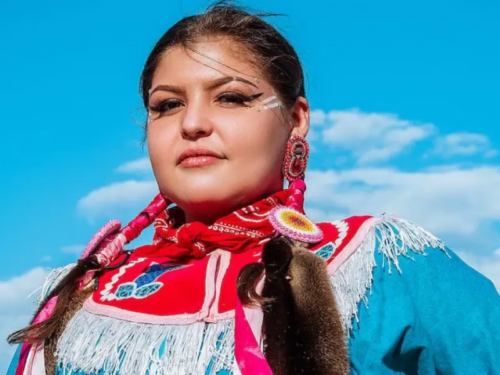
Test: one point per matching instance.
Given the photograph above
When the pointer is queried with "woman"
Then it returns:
(237, 279)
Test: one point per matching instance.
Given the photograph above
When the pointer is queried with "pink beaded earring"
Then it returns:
(296, 156)
(290, 220)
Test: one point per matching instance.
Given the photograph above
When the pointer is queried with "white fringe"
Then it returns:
(93, 343)
(353, 280)
(53, 278)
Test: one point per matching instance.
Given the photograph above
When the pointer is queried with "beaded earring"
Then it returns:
(296, 156)
(290, 220)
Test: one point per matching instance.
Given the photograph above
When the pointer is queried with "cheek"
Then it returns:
(159, 141)
(258, 141)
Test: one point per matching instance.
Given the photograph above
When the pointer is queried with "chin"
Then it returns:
(216, 191)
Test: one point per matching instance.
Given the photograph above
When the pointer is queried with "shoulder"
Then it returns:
(366, 249)
(365, 236)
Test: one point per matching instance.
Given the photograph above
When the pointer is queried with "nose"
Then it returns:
(196, 122)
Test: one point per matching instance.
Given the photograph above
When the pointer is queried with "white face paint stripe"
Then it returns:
(270, 99)
(269, 103)
(274, 105)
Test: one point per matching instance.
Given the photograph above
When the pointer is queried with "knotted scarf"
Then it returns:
(240, 230)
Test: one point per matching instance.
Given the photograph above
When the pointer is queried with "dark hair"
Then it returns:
(267, 49)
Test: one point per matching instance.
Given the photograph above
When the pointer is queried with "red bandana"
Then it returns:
(240, 230)
(155, 288)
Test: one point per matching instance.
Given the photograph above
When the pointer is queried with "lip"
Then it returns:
(198, 157)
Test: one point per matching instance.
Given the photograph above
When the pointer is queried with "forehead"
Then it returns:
(208, 59)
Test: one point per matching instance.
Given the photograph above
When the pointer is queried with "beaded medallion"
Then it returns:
(295, 225)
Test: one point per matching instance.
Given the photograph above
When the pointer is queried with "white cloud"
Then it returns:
(116, 196)
(142, 165)
(378, 137)
(73, 249)
(320, 216)
(371, 137)
(448, 201)
(16, 308)
(15, 289)
(110, 199)
(318, 117)
(464, 144)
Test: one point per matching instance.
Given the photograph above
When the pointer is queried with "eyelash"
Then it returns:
(226, 98)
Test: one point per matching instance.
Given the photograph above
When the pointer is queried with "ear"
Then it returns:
(300, 117)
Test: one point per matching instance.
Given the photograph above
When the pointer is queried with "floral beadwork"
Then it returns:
(325, 252)
(146, 284)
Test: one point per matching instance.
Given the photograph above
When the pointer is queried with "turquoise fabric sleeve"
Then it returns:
(13, 364)
(439, 316)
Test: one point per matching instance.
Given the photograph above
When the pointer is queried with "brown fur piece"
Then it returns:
(75, 304)
(302, 326)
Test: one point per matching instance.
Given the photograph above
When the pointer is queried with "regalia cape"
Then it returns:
(145, 315)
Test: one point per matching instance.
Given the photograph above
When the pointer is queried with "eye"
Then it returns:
(234, 98)
(165, 106)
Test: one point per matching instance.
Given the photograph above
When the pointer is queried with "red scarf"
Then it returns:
(235, 232)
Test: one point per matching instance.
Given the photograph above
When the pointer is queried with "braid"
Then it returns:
(109, 248)
(61, 293)
(302, 327)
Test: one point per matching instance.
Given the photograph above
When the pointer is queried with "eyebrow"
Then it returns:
(212, 85)
(223, 80)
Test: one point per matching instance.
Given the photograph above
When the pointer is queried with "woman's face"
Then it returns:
(214, 145)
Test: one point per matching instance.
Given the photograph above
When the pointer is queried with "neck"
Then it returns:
(209, 212)
(205, 213)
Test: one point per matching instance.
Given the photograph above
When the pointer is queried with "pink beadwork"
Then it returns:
(296, 156)
(109, 241)
(108, 229)
(133, 229)
(112, 247)
(296, 198)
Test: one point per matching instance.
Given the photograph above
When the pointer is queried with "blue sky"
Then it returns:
(406, 120)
